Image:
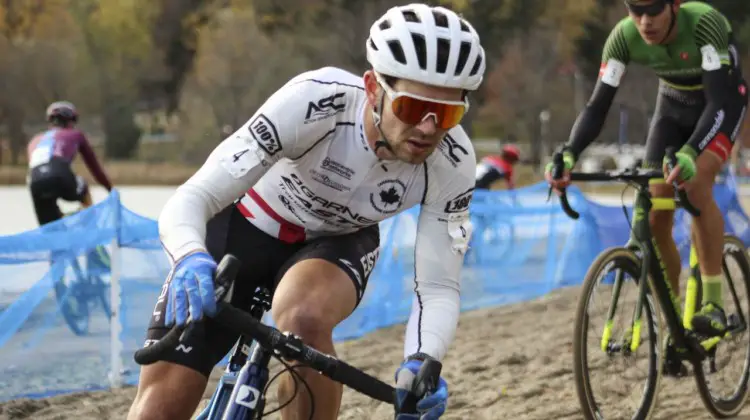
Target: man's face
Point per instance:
(652, 18)
(414, 142)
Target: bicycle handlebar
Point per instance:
(557, 173)
(628, 175)
(287, 346)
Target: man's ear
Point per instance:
(371, 87)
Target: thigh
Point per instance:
(46, 209)
(665, 131)
(329, 274)
(261, 256)
(354, 253)
(44, 194)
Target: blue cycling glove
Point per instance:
(191, 289)
(431, 406)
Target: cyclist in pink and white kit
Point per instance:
(50, 154)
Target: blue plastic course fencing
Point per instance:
(523, 247)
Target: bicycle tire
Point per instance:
(722, 408)
(625, 259)
(76, 317)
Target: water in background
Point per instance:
(523, 247)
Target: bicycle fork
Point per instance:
(634, 341)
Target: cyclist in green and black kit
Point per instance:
(700, 107)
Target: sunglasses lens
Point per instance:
(412, 111)
(653, 9)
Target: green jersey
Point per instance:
(703, 43)
(699, 70)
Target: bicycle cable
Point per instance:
(297, 377)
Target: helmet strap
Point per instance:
(377, 119)
(672, 20)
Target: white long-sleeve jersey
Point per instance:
(301, 168)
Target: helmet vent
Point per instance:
(421, 49)
(397, 51)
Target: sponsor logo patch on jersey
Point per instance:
(710, 58)
(388, 199)
(324, 108)
(452, 151)
(460, 203)
(265, 134)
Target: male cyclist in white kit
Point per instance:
(297, 193)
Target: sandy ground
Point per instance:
(511, 362)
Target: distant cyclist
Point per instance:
(493, 168)
(50, 155)
(700, 107)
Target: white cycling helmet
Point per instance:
(404, 42)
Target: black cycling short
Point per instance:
(52, 181)
(264, 260)
(675, 118)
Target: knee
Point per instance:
(166, 393)
(306, 321)
(700, 191)
(148, 406)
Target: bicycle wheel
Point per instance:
(726, 360)
(73, 305)
(604, 389)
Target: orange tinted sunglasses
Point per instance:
(413, 109)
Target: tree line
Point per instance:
(197, 69)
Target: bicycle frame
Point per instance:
(652, 264)
(233, 402)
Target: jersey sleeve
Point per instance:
(236, 164)
(443, 233)
(89, 158)
(615, 56)
(712, 35)
(589, 124)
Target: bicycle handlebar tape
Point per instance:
(558, 169)
(686, 204)
(241, 322)
(152, 354)
(354, 378)
(226, 273)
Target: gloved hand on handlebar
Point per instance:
(569, 161)
(685, 168)
(431, 406)
(191, 289)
